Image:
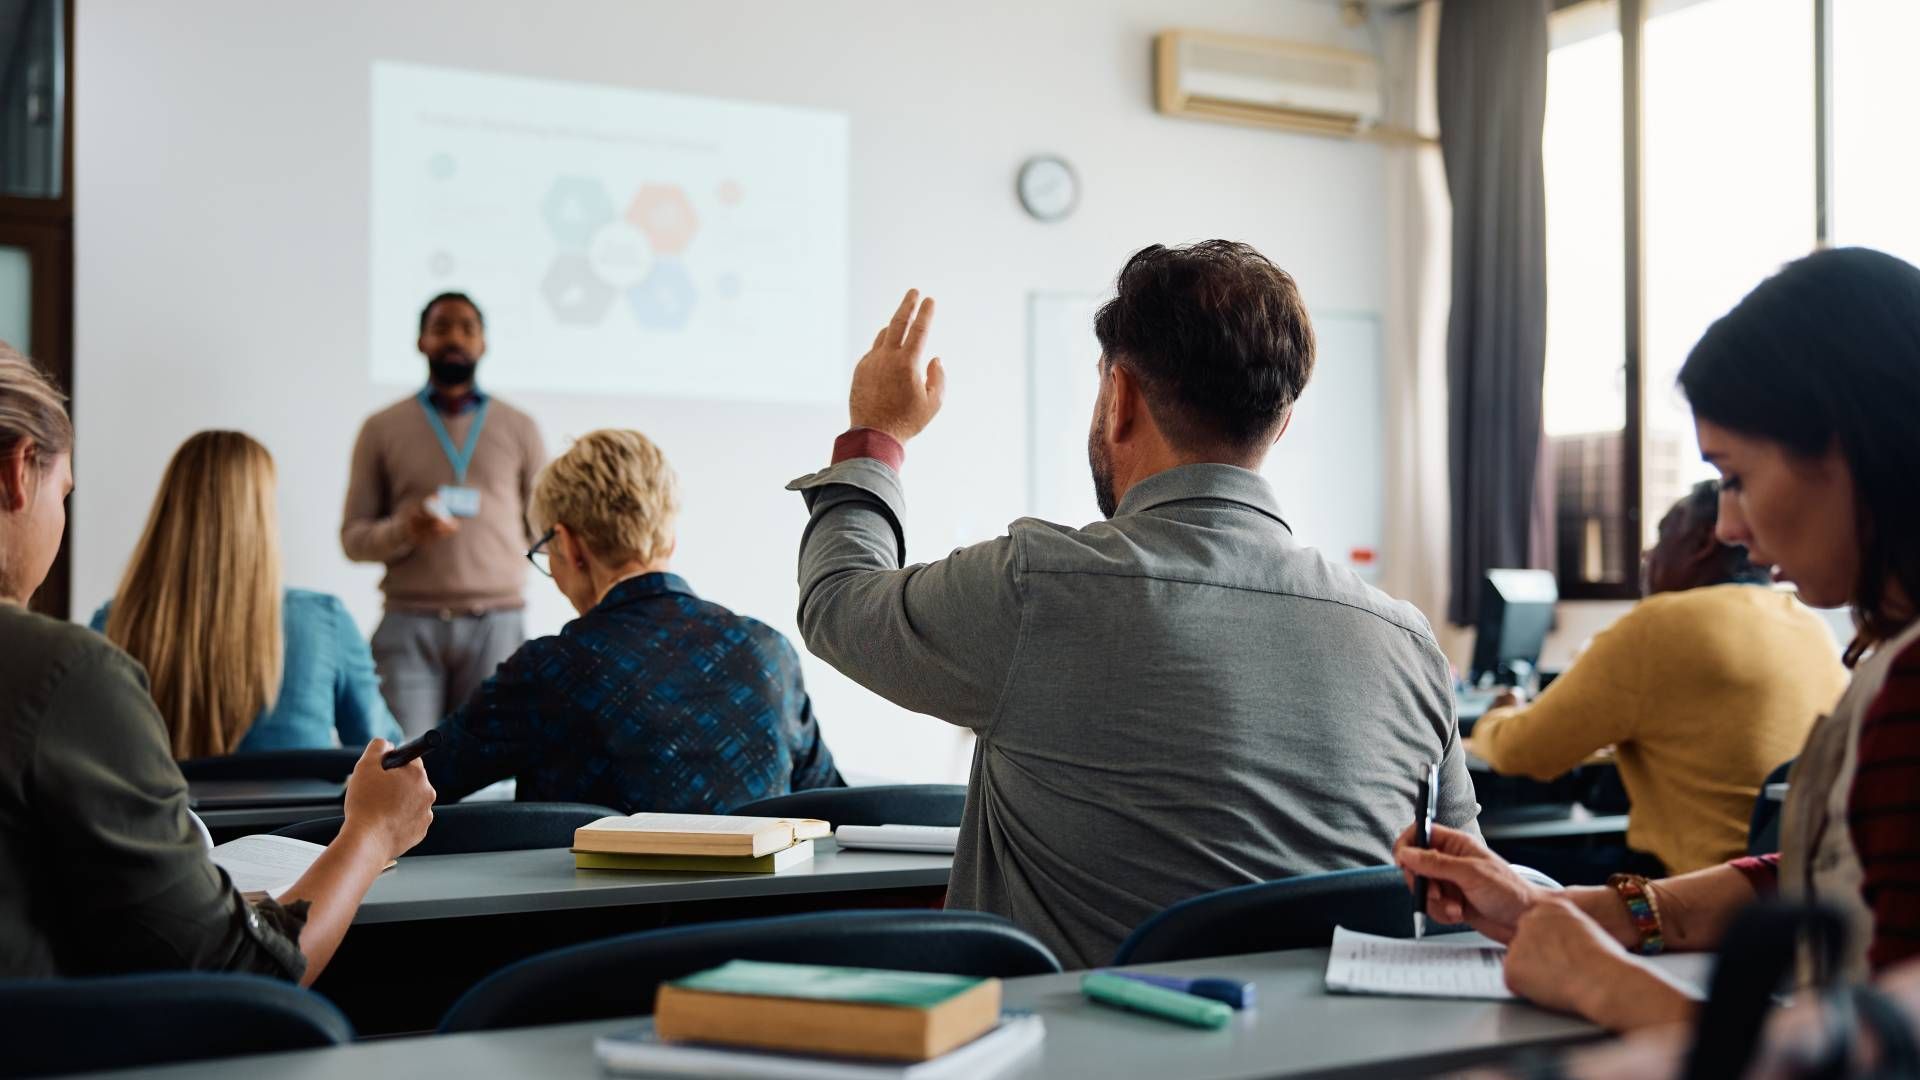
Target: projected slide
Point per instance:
(619, 241)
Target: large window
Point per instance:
(1876, 158)
(1685, 163)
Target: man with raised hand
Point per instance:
(1177, 699)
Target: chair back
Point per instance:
(466, 828)
(1763, 828)
(1292, 913)
(333, 765)
(618, 976)
(876, 804)
(50, 1026)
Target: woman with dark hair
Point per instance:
(1806, 396)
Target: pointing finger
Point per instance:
(917, 333)
(897, 329)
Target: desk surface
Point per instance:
(1299, 1029)
(1583, 823)
(232, 794)
(514, 882)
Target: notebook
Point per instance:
(696, 834)
(787, 859)
(935, 838)
(837, 1011)
(264, 863)
(1400, 967)
(1462, 966)
(641, 1051)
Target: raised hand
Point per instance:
(890, 393)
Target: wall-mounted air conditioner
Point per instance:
(1268, 82)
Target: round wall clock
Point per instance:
(1049, 188)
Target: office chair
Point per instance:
(53, 1026)
(1763, 828)
(878, 804)
(465, 828)
(618, 976)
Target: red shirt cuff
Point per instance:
(1761, 871)
(868, 443)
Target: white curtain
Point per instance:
(1419, 222)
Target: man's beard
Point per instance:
(1101, 464)
(451, 367)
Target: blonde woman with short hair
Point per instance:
(105, 872)
(235, 663)
(653, 699)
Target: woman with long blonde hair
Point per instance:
(236, 663)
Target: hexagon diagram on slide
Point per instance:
(665, 300)
(575, 293)
(664, 213)
(575, 207)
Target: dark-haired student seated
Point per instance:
(1176, 699)
(653, 699)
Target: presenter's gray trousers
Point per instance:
(430, 663)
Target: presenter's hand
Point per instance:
(424, 526)
(890, 393)
(1467, 883)
(389, 808)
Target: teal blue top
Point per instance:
(327, 683)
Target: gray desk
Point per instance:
(1298, 1030)
(519, 882)
(1582, 824)
(206, 795)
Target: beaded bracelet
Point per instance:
(1646, 919)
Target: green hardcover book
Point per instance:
(696, 864)
(837, 1011)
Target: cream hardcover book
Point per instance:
(696, 834)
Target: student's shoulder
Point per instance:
(311, 607)
(44, 652)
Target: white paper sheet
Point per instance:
(1368, 964)
(264, 863)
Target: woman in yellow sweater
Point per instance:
(1702, 689)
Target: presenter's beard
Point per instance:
(448, 372)
(1101, 465)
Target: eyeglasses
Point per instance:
(539, 556)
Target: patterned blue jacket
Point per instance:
(653, 700)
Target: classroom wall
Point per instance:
(221, 183)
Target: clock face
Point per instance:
(1048, 188)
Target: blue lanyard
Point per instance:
(458, 458)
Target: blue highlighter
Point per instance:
(1239, 995)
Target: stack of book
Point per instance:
(696, 843)
(747, 1018)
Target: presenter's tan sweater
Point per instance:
(1700, 693)
(398, 460)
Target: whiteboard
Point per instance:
(1328, 469)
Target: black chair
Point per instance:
(1763, 828)
(50, 1026)
(618, 976)
(1293, 913)
(465, 828)
(876, 804)
(331, 765)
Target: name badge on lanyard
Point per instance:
(457, 499)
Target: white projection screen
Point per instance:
(620, 241)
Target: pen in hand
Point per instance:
(1424, 806)
(413, 748)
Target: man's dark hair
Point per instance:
(1218, 337)
(1700, 512)
(446, 296)
(1826, 354)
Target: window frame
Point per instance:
(1633, 16)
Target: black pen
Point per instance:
(407, 751)
(1426, 804)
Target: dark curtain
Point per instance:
(1492, 92)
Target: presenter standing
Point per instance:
(438, 493)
